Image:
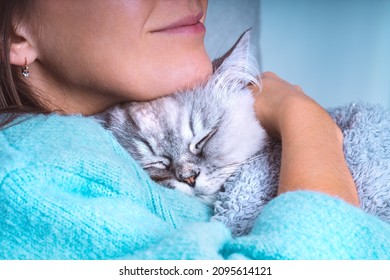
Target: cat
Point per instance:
(207, 143)
(195, 139)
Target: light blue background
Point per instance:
(338, 51)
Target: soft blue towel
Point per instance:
(69, 191)
(366, 130)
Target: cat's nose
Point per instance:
(189, 179)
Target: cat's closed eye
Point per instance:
(199, 141)
(159, 164)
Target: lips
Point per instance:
(187, 24)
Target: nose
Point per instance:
(189, 177)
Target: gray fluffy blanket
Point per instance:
(366, 130)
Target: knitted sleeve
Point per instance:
(299, 225)
(69, 191)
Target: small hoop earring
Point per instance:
(25, 71)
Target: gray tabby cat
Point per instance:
(207, 143)
(194, 140)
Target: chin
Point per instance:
(207, 199)
(195, 76)
(187, 70)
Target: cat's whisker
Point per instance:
(230, 165)
(237, 164)
(229, 168)
(223, 175)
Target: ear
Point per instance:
(22, 47)
(238, 54)
(237, 66)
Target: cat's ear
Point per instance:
(237, 63)
(238, 54)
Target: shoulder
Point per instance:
(71, 158)
(41, 137)
(62, 148)
(54, 131)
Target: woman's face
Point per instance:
(110, 51)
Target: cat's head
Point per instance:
(194, 140)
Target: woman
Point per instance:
(69, 190)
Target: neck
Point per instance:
(68, 99)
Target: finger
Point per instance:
(268, 74)
(298, 88)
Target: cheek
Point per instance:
(144, 70)
(159, 175)
(210, 180)
(184, 188)
(160, 69)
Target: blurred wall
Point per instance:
(338, 51)
(226, 20)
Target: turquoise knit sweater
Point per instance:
(69, 191)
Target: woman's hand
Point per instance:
(312, 144)
(277, 98)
